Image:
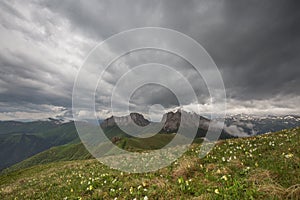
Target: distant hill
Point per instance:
(17, 144)
(8, 127)
(54, 154)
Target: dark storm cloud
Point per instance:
(255, 44)
(25, 81)
(261, 49)
(154, 94)
(250, 41)
(38, 61)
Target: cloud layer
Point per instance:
(255, 44)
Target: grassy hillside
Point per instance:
(60, 153)
(15, 147)
(262, 167)
(77, 151)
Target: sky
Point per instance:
(43, 44)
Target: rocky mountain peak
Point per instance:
(136, 118)
(186, 119)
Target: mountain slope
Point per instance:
(8, 127)
(234, 169)
(55, 154)
(15, 147)
(77, 151)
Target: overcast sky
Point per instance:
(255, 44)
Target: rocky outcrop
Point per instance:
(170, 122)
(133, 118)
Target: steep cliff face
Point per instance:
(133, 118)
(139, 119)
(187, 120)
(171, 121)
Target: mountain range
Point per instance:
(245, 125)
(21, 140)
